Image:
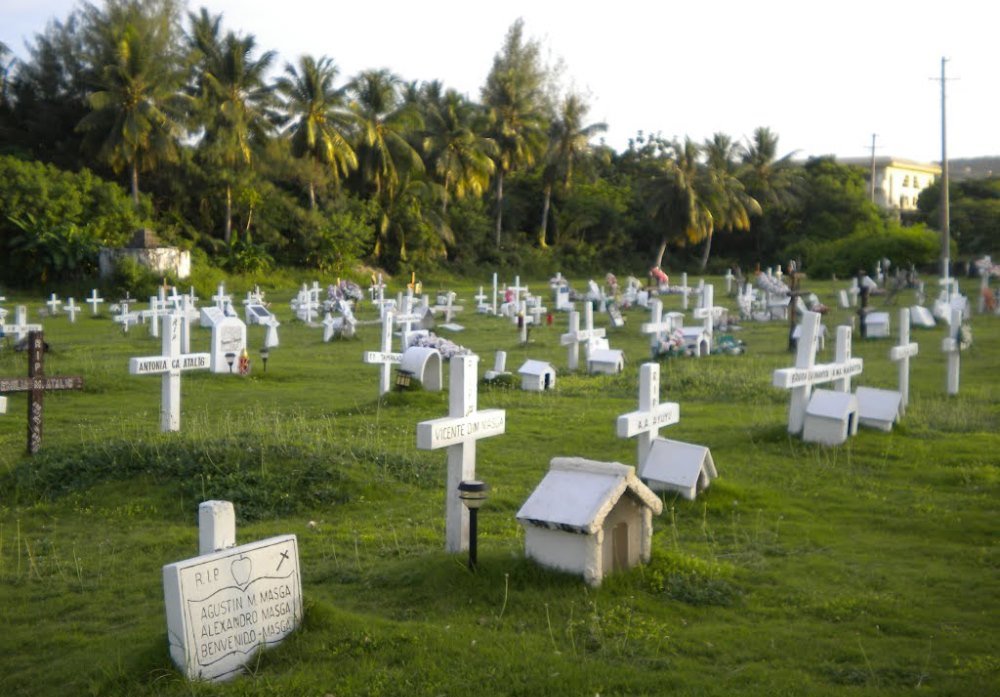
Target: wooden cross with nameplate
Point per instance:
(36, 385)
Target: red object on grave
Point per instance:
(244, 365)
(548, 319)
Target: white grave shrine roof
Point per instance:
(831, 404)
(677, 464)
(577, 494)
(876, 407)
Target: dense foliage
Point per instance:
(261, 164)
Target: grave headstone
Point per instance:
(458, 432)
(36, 385)
(224, 607)
(229, 339)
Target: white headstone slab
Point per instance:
(458, 432)
(216, 526)
(921, 317)
(224, 607)
(3, 405)
(651, 416)
(229, 338)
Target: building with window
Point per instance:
(898, 182)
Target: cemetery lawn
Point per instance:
(866, 569)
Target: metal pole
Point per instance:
(473, 520)
(945, 214)
(872, 188)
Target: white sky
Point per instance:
(824, 76)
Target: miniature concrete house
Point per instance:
(830, 417)
(877, 325)
(671, 465)
(423, 364)
(878, 408)
(589, 518)
(537, 376)
(697, 340)
(606, 361)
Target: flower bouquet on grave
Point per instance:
(445, 347)
(964, 336)
(771, 285)
(728, 344)
(670, 345)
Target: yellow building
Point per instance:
(898, 182)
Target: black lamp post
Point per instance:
(473, 495)
(230, 359)
(264, 354)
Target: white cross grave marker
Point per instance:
(572, 339)
(459, 432)
(685, 291)
(807, 372)
(54, 304)
(220, 298)
(21, 328)
(94, 300)
(706, 312)
(901, 354)
(494, 294)
(950, 345)
(384, 358)
(170, 365)
(652, 414)
(71, 309)
(657, 326)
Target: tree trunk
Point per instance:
(135, 184)
(545, 216)
(499, 205)
(227, 234)
(706, 252)
(312, 195)
(660, 252)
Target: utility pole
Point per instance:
(945, 214)
(872, 188)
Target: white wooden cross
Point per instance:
(126, 318)
(652, 414)
(71, 309)
(384, 358)
(901, 354)
(158, 306)
(21, 328)
(841, 355)
(54, 304)
(458, 432)
(522, 318)
(572, 339)
(94, 300)
(729, 281)
(657, 326)
(170, 365)
(220, 298)
(480, 299)
(685, 291)
(706, 312)
(405, 321)
(807, 372)
(951, 346)
(494, 294)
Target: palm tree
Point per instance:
(132, 121)
(730, 204)
(773, 182)
(514, 96)
(674, 198)
(384, 153)
(456, 151)
(316, 119)
(234, 105)
(569, 140)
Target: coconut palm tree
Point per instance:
(457, 152)
(316, 118)
(134, 108)
(234, 107)
(772, 181)
(730, 204)
(569, 140)
(674, 196)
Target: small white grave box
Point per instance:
(229, 340)
(589, 518)
(537, 376)
(606, 361)
(878, 408)
(830, 418)
(224, 607)
(671, 465)
(920, 316)
(877, 325)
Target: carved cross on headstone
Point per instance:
(458, 432)
(36, 385)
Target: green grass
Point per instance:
(867, 569)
